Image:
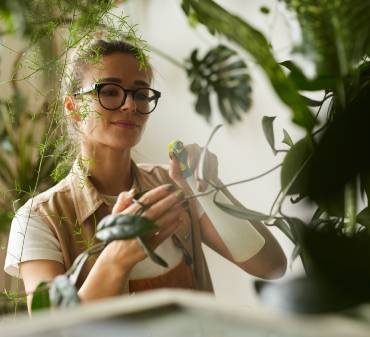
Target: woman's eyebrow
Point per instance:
(140, 82)
(118, 80)
(110, 79)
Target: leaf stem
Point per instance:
(167, 57)
(222, 186)
(350, 208)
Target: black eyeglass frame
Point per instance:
(98, 86)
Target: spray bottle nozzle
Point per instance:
(177, 148)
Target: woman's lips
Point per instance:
(126, 124)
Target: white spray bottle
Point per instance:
(239, 235)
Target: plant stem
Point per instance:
(350, 207)
(167, 57)
(220, 187)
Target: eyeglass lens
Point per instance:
(112, 97)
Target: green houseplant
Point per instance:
(328, 166)
(337, 231)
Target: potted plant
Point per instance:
(329, 166)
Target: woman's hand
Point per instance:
(193, 153)
(166, 206)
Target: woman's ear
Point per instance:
(70, 106)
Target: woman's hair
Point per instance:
(90, 52)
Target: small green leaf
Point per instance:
(287, 140)
(295, 167)
(365, 184)
(268, 130)
(40, 298)
(284, 227)
(264, 10)
(123, 226)
(63, 293)
(363, 218)
(298, 227)
(311, 102)
(152, 254)
(303, 83)
(350, 206)
(295, 253)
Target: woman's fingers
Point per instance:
(168, 223)
(158, 201)
(164, 205)
(123, 201)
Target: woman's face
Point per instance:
(121, 128)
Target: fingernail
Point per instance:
(180, 195)
(170, 187)
(132, 192)
(171, 155)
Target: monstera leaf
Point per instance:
(233, 27)
(222, 73)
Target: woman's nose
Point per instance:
(129, 104)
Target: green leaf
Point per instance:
(303, 83)
(287, 140)
(284, 227)
(295, 167)
(234, 28)
(365, 184)
(152, 254)
(123, 226)
(222, 73)
(40, 298)
(363, 218)
(350, 206)
(311, 102)
(268, 130)
(295, 253)
(264, 10)
(63, 293)
(128, 226)
(335, 34)
(298, 229)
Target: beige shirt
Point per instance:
(73, 207)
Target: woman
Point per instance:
(108, 105)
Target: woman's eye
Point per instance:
(141, 96)
(109, 92)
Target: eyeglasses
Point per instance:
(112, 96)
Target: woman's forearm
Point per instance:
(269, 262)
(104, 280)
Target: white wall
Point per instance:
(242, 149)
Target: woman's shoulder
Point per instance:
(157, 172)
(153, 167)
(48, 195)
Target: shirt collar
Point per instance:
(85, 196)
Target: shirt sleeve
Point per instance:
(30, 239)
